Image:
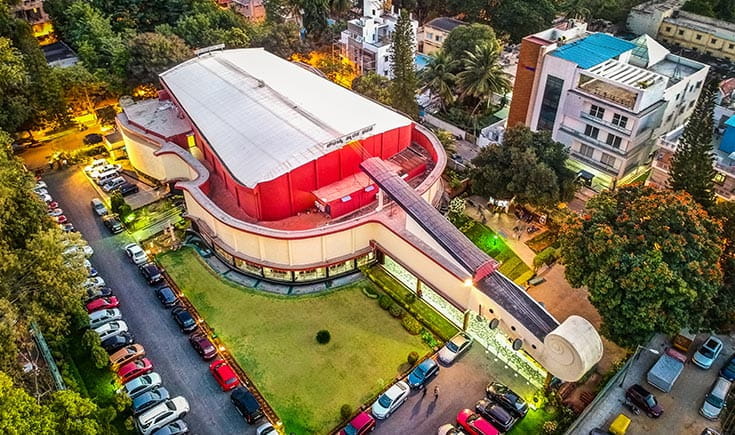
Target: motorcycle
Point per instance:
(633, 408)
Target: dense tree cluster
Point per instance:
(720, 9)
(404, 84)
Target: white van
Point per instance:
(106, 176)
(714, 401)
(99, 207)
(113, 184)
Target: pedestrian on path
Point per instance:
(423, 393)
(436, 392)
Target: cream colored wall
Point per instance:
(141, 155)
(688, 39)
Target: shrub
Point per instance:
(385, 302)
(396, 311)
(323, 336)
(411, 325)
(412, 358)
(410, 298)
(546, 257)
(550, 427)
(345, 411)
(100, 358)
(428, 338)
(90, 339)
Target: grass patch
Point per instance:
(541, 241)
(273, 339)
(493, 245)
(533, 421)
(433, 320)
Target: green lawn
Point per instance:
(533, 422)
(273, 339)
(492, 244)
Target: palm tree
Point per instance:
(579, 9)
(482, 76)
(438, 77)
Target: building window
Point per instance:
(246, 266)
(719, 178)
(586, 150)
(668, 28)
(224, 255)
(731, 46)
(597, 111)
(429, 35)
(550, 103)
(310, 275)
(681, 32)
(698, 37)
(699, 84)
(691, 104)
(714, 40)
(277, 274)
(591, 131)
(668, 118)
(613, 141)
(339, 268)
(620, 120)
(608, 160)
(366, 259)
(438, 38)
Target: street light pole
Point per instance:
(634, 358)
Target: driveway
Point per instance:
(183, 371)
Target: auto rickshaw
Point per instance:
(620, 425)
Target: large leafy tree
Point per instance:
(281, 39)
(404, 84)
(439, 78)
(373, 85)
(723, 313)
(20, 413)
(467, 38)
(650, 259)
(82, 90)
(153, 53)
(528, 166)
(692, 163)
(14, 80)
(518, 18)
(314, 16)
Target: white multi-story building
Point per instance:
(607, 99)
(367, 40)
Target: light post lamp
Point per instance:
(635, 357)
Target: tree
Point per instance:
(404, 84)
(528, 166)
(482, 76)
(314, 14)
(699, 7)
(467, 38)
(14, 80)
(518, 18)
(723, 313)
(153, 53)
(439, 78)
(340, 7)
(82, 90)
(74, 414)
(373, 85)
(692, 167)
(20, 413)
(650, 259)
(281, 39)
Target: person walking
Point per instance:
(436, 392)
(423, 393)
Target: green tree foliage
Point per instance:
(153, 53)
(723, 313)
(518, 18)
(314, 14)
(207, 24)
(373, 85)
(528, 166)
(650, 259)
(14, 79)
(281, 39)
(74, 414)
(701, 7)
(467, 38)
(20, 413)
(482, 76)
(692, 167)
(82, 90)
(404, 84)
(440, 78)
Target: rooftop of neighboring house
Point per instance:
(658, 5)
(447, 24)
(719, 28)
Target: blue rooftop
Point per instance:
(730, 121)
(593, 50)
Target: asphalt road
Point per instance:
(182, 370)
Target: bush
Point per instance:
(90, 340)
(546, 257)
(410, 298)
(99, 357)
(345, 411)
(428, 338)
(411, 325)
(550, 427)
(385, 302)
(396, 311)
(412, 358)
(323, 336)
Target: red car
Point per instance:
(474, 424)
(103, 304)
(360, 425)
(52, 205)
(60, 219)
(132, 370)
(224, 375)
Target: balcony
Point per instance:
(592, 141)
(575, 155)
(610, 93)
(607, 124)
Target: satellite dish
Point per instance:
(517, 344)
(494, 324)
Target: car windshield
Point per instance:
(350, 429)
(452, 346)
(385, 401)
(714, 401)
(231, 381)
(706, 352)
(650, 401)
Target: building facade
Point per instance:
(607, 99)
(367, 40)
(431, 36)
(287, 189)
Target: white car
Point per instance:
(162, 414)
(265, 429)
(94, 173)
(80, 249)
(113, 184)
(390, 400)
(40, 184)
(111, 329)
(96, 164)
(136, 254)
(55, 212)
(99, 318)
(141, 384)
(455, 347)
(92, 283)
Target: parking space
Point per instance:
(145, 195)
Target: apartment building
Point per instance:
(606, 98)
(433, 34)
(367, 40)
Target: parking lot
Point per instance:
(681, 405)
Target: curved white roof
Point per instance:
(265, 116)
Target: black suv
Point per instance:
(117, 342)
(644, 400)
(112, 222)
(166, 296)
(128, 189)
(246, 404)
(151, 273)
(509, 400)
(184, 319)
(495, 414)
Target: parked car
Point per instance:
(40, 184)
(95, 165)
(95, 282)
(728, 370)
(151, 273)
(715, 400)
(126, 355)
(113, 224)
(176, 427)
(390, 400)
(96, 293)
(184, 319)
(422, 374)
(92, 138)
(141, 384)
(133, 369)
(91, 271)
(117, 342)
(162, 414)
(360, 425)
(113, 184)
(708, 352)
(265, 429)
(455, 347)
(67, 228)
(112, 328)
(495, 414)
(507, 398)
(224, 375)
(645, 400)
(60, 219)
(449, 429)
(149, 399)
(53, 212)
(246, 404)
(128, 189)
(166, 296)
(474, 424)
(85, 250)
(203, 345)
(99, 207)
(99, 318)
(135, 253)
(102, 304)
